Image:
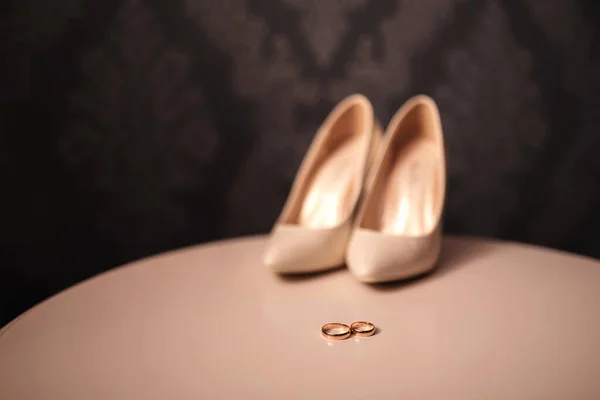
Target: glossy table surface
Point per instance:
(496, 320)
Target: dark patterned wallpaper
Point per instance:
(129, 127)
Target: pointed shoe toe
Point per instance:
(295, 250)
(375, 257)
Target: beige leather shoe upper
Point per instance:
(398, 228)
(314, 227)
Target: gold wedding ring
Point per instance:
(362, 328)
(336, 331)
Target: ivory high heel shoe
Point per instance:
(398, 230)
(314, 227)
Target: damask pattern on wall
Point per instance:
(129, 127)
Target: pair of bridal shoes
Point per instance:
(369, 199)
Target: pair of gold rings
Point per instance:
(337, 331)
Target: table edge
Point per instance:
(261, 237)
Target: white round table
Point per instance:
(497, 320)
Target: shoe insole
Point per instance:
(331, 194)
(410, 197)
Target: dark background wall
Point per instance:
(132, 127)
